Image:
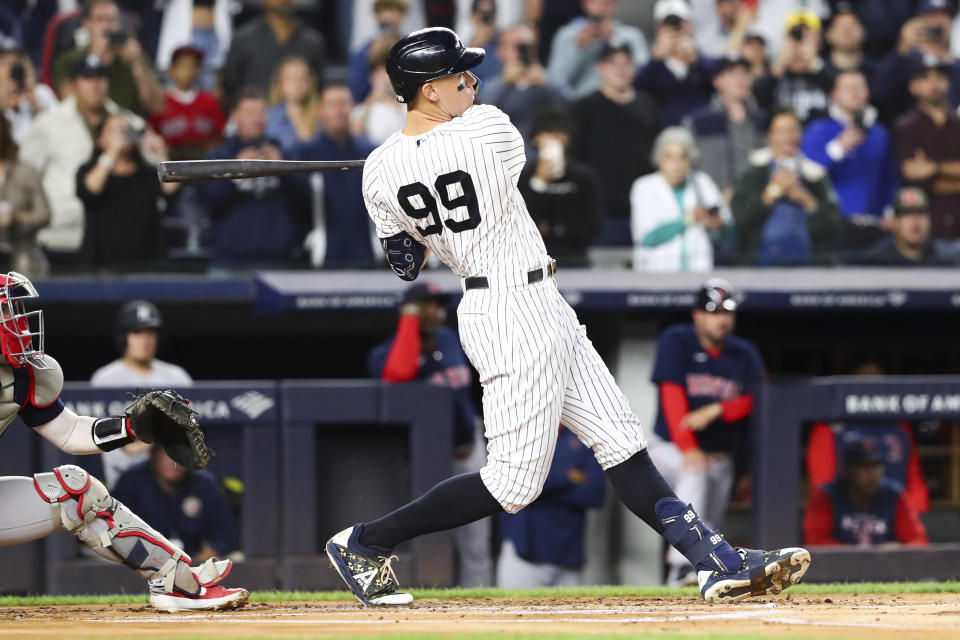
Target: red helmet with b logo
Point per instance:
(21, 331)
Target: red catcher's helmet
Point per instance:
(21, 332)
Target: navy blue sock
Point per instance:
(706, 549)
(452, 503)
(644, 491)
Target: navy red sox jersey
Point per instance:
(894, 443)
(445, 365)
(706, 378)
(832, 517)
(454, 189)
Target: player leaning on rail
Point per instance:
(447, 183)
(70, 498)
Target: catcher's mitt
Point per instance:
(166, 418)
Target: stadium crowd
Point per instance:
(664, 135)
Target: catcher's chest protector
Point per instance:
(39, 387)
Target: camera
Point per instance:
(18, 75)
(525, 52)
(132, 134)
(856, 118)
(934, 33)
(117, 38)
(796, 32)
(674, 22)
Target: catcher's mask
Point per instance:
(21, 331)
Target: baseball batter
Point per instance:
(447, 183)
(68, 497)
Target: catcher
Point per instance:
(68, 497)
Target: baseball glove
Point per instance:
(166, 418)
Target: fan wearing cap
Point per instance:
(191, 121)
(730, 127)
(924, 37)
(677, 76)
(862, 507)
(909, 243)
(720, 26)
(798, 78)
(577, 45)
(58, 143)
(706, 378)
(425, 349)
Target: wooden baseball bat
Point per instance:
(194, 170)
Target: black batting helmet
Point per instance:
(716, 294)
(426, 55)
(136, 315)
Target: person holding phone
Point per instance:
(926, 36)
(522, 88)
(22, 98)
(389, 15)
(483, 20)
(133, 84)
(577, 45)
(676, 212)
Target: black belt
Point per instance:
(536, 275)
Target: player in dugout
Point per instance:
(862, 507)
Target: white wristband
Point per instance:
(105, 161)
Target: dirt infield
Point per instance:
(903, 617)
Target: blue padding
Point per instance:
(34, 417)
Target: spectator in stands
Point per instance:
(676, 212)
(909, 243)
(133, 84)
(389, 14)
(522, 89)
(259, 46)
(483, 19)
(425, 349)
(191, 122)
(894, 442)
(292, 117)
(380, 115)
(928, 146)
(206, 25)
(578, 46)
(57, 144)
(882, 21)
(137, 328)
(677, 76)
(798, 80)
(258, 220)
(845, 37)
(122, 197)
(773, 14)
(754, 51)
(185, 506)
(23, 209)
(862, 507)
(562, 195)
(857, 152)
(616, 127)
(22, 98)
(549, 18)
(730, 127)
(725, 26)
(542, 545)
(925, 37)
(784, 208)
(341, 235)
(707, 378)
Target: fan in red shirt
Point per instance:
(191, 122)
(862, 507)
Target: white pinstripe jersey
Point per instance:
(454, 189)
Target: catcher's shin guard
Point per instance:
(82, 505)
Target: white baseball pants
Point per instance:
(539, 370)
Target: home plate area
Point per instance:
(845, 616)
